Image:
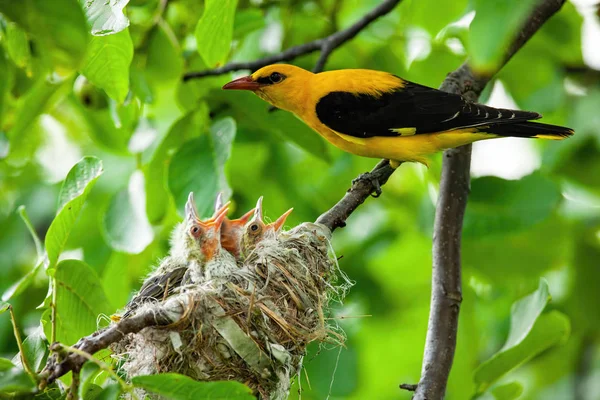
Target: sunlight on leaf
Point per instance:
(74, 191)
(105, 16)
(126, 224)
(13, 379)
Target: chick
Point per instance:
(256, 230)
(231, 230)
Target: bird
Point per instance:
(231, 230)
(377, 114)
(256, 230)
(194, 243)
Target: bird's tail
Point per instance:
(531, 130)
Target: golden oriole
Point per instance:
(377, 114)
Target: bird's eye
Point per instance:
(276, 77)
(195, 230)
(254, 227)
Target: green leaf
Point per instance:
(17, 45)
(165, 61)
(187, 127)
(524, 313)
(25, 281)
(508, 391)
(125, 222)
(531, 332)
(59, 27)
(105, 17)
(246, 21)
(86, 378)
(42, 96)
(180, 387)
(110, 392)
(495, 25)
(215, 31)
(35, 349)
(4, 306)
(80, 299)
(498, 206)
(198, 167)
(75, 189)
(107, 63)
(13, 379)
(431, 15)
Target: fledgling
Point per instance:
(377, 114)
(231, 230)
(256, 230)
(193, 244)
(216, 262)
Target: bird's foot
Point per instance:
(370, 178)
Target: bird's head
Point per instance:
(195, 239)
(282, 85)
(232, 229)
(256, 229)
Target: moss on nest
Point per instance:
(252, 327)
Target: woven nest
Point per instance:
(252, 327)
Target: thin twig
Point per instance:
(17, 334)
(326, 45)
(446, 293)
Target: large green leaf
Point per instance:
(198, 167)
(180, 387)
(498, 206)
(13, 379)
(431, 15)
(125, 222)
(59, 27)
(35, 349)
(215, 31)
(531, 332)
(495, 25)
(80, 299)
(75, 189)
(105, 17)
(165, 60)
(107, 62)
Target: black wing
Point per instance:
(425, 109)
(157, 288)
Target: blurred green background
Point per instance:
(534, 209)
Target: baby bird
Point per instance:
(193, 244)
(231, 230)
(256, 230)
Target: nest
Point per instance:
(252, 327)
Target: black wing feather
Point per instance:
(412, 106)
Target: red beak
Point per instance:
(245, 83)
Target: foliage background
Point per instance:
(159, 138)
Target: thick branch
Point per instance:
(326, 45)
(56, 366)
(446, 293)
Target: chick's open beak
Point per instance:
(278, 224)
(245, 83)
(258, 211)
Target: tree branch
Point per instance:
(326, 45)
(446, 292)
(60, 363)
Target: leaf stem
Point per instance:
(24, 361)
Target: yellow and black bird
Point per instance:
(377, 114)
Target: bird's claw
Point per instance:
(373, 179)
